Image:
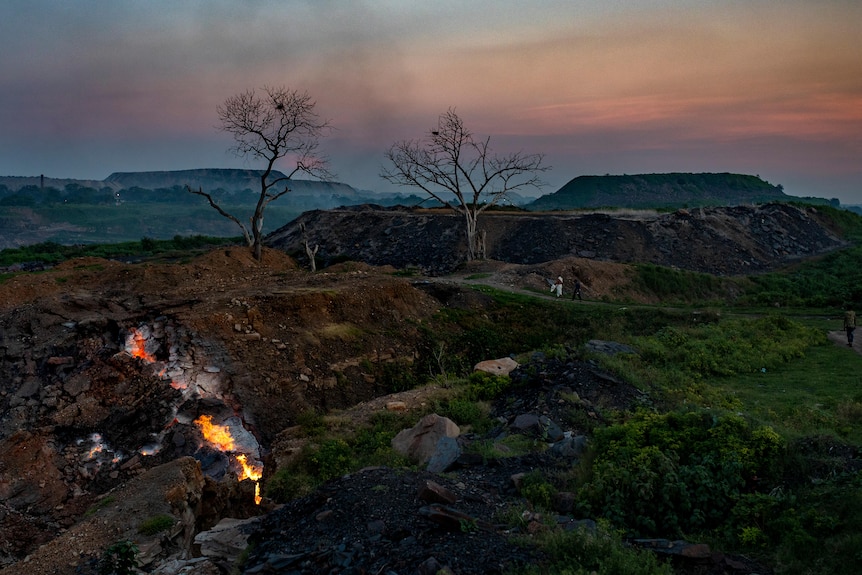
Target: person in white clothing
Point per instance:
(558, 286)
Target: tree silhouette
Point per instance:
(461, 172)
(278, 123)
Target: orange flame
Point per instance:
(136, 346)
(218, 435)
(250, 472)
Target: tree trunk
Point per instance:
(311, 253)
(257, 232)
(475, 238)
(472, 218)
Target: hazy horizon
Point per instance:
(762, 87)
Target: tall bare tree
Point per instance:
(461, 172)
(277, 123)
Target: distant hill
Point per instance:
(131, 205)
(228, 180)
(674, 190)
(210, 179)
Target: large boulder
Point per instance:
(419, 443)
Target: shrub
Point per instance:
(156, 524)
(121, 558)
(289, 483)
(332, 458)
(583, 552)
(678, 472)
(536, 489)
(485, 386)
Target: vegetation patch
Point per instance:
(157, 524)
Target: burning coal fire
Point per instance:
(222, 438)
(230, 438)
(136, 346)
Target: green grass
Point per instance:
(818, 393)
(53, 253)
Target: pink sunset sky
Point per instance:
(765, 87)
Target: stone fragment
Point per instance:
(570, 447)
(445, 455)
(227, 540)
(433, 492)
(432, 566)
(540, 426)
(502, 366)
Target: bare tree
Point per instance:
(278, 123)
(461, 172)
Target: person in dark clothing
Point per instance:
(576, 292)
(849, 325)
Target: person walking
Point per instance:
(576, 293)
(849, 325)
(558, 286)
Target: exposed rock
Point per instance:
(446, 453)
(419, 443)
(433, 492)
(227, 540)
(502, 366)
(539, 426)
(608, 347)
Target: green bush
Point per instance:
(660, 475)
(289, 483)
(536, 489)
(332, 458)
(121, 558)
(156, 524)
(462, 411)
(485, 386)
(582, 552)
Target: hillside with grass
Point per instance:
(673, 190)
(716, 416)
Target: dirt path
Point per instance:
(839, 337)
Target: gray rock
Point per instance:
(420, 442)
(227, 540)
(447, 453)
(609, 347)
(570, 447)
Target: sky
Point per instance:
(764, 87)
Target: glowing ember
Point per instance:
(151, 449)
(136, 346)
(97, 448)
(218, 435)
(250, 472)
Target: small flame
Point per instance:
(218, 435)
(151, 449)
(250, 472)
(95, 450)
(136, 346)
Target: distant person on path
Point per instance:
(577, 291)
(557, 287)
(849, 325)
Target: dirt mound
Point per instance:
(721, 241)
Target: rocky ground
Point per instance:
(721, 240)
(107, 369)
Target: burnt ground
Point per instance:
(720, 241)
(253, 345)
